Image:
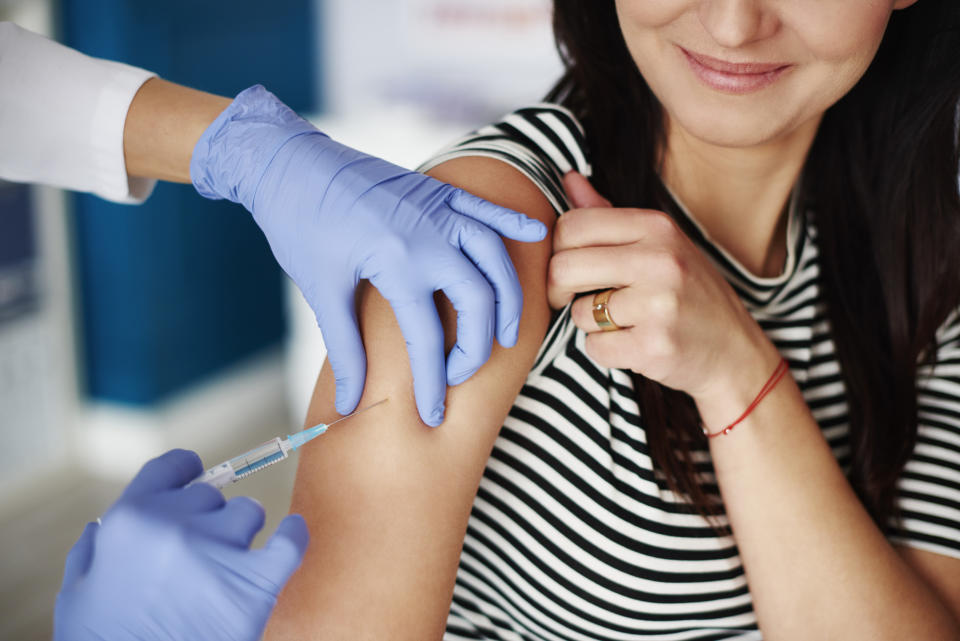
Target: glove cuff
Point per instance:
(231, 156)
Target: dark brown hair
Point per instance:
(881, 181)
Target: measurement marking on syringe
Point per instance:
(256, 465)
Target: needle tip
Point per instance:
(307, 435)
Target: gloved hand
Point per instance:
(333, 216)
(173, 564)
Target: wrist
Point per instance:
(738, 387)
(233, 153)
(162, 126)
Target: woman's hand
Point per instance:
(680, 323)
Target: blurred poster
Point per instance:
(459, 60)
(485, 31)
(18, 253)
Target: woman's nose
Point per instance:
(735, 23)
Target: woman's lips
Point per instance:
(734, 77)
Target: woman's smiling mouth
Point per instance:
(734, 77)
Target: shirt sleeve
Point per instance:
(928, 493)
(543, 142)
(62, 115)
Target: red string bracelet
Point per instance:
(770, 384)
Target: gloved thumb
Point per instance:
(338, 324)
(282, 554)
(80, 556)
(581, 192)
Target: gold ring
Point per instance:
(601, 313)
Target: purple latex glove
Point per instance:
(334, 215)
(171, 563)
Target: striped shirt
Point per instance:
(572, 535)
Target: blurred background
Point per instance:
(125, 331)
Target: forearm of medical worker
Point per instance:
(163, 124)
(816, 564)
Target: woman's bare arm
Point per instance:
(386, 497)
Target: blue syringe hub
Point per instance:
(307, 435)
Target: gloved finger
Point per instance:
(173, 469)
(505, 222)
(80, 555)
(338, 324)
(475, 302)
(236, 523)
(274, 564)
(196, 499)
(423, 334)
(487, 252)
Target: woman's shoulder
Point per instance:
(543, 141)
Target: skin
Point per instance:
(387, 532)
(163, 125)
(734, 158)
(387, 498)
(806, 542)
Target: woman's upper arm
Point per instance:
(387, 498)
(941, 572)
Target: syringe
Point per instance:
(265, 455)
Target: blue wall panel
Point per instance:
(178, 288)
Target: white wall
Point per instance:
(38, 388)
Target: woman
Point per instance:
(813, 145)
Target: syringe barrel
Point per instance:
(259, 457)
(218, 476)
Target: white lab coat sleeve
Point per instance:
(62, 115)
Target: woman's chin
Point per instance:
(733, 129)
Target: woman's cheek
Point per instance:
(650, 13)
(844, 33)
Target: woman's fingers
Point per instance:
(634, 306)
(646, 283)
(634, 348)
(581, 192)
(586, 269)
(605, 226)
(645, 267)
(616, 311)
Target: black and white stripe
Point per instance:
(573, 536)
